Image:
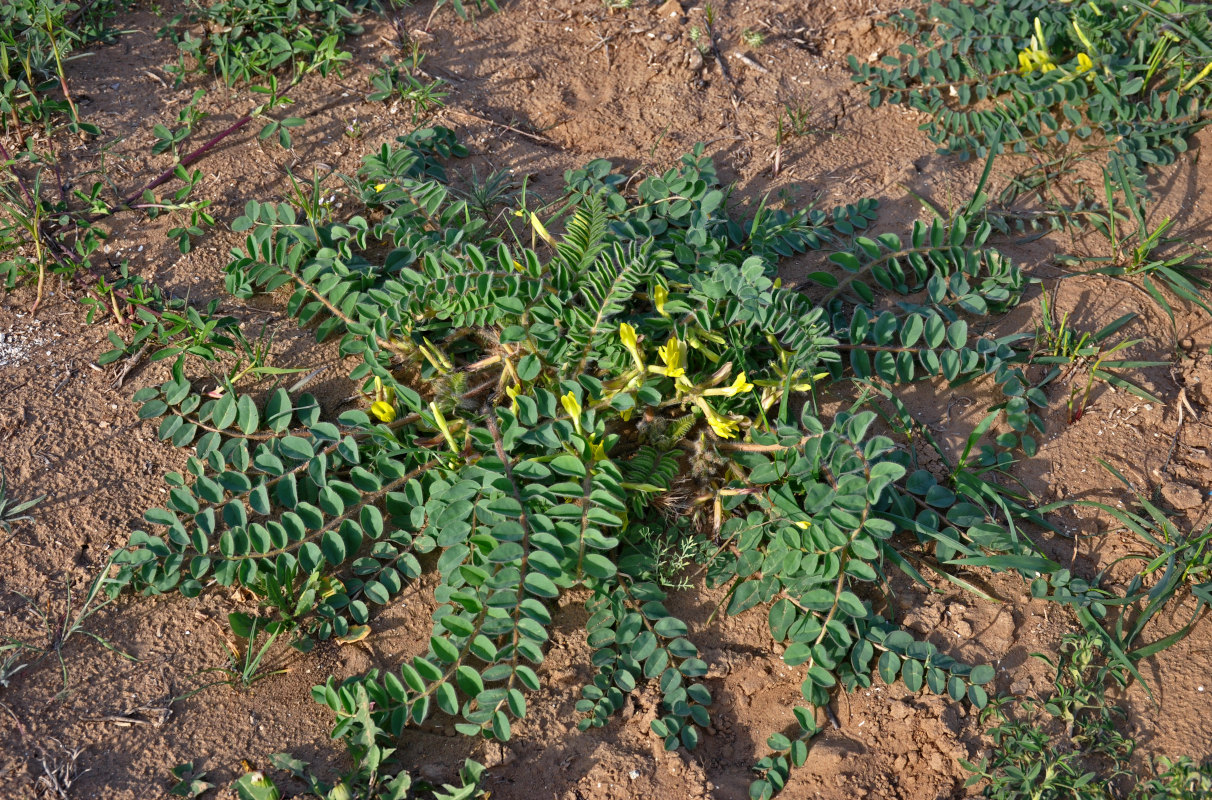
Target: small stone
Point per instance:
(671, 8)
(1181, 496)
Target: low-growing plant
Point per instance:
(27, 240)
(1058, 346)
(10, 512)
(488, 196)
(1070, 742)
(1177, 569)
(515, 395)
(188, 118)
(461, 8)
(798, 123)
(243, 668)
(59, 628)
(36, 38)
(753, 38)
(1181, 778)
(1128, 80)
(399, 82)
(191, 782)
(247, 40)
(375, 776)
(1046, 746)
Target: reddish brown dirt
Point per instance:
(585, 83)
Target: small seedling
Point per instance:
(243, 668)
(400, 82)
(695, 34)
(10, 512)
(753, 38)
(59, 629)
(496, 190)
(188, 119)
(1057, 344)
(191, 783)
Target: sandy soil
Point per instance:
(572, 81)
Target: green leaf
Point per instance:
(333, 547)
(981, 674)
(568, 465)
(889, 666)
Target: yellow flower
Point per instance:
(380, 187)
(1036, 56)
(540, 230)
(739, 386)
(1084, 64)
(513, 391)
(659, 295)
(631, 342)
(597, 451)
(384, 405)
(384, 411)
(673, 354)
(386, 394)
(573, 407)
(724, 427)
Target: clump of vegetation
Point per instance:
(514, 396)
(602, 408)
(1071, 742)
(404, 82)
(11, 513)
(243, 42)
(753, 38)
(1125, 79)
(1066, 351)
(36, 38)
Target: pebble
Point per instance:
(1182, 496)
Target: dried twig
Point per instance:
(1181, 403)
(59, 771)
(128, 365)
(536, 137)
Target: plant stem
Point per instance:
(189, 159)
